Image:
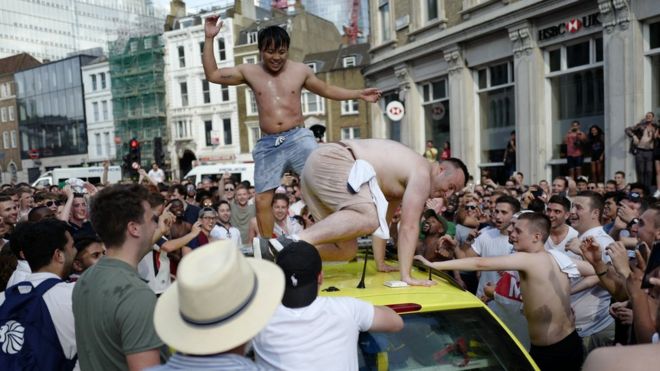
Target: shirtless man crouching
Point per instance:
(277, 84)
(404, 177)
(544, 287)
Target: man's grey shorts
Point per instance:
(276, 153)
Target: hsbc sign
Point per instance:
(572, 25)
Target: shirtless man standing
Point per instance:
(277, 84)
(404, 177)
(544, 287)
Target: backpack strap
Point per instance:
(40, 290)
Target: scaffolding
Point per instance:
(138, 93)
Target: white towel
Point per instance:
(362, 172)
(565, 263)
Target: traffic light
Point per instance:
(134, 151)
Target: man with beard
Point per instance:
(89, 250)
(223, 229)
(242, 212)
(558, 211)
(431, 246)
(48, 248)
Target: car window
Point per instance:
(464, 339)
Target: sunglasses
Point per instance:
(470, 207)
(229, 189)
(52, 203)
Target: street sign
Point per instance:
(394, 110)
(33, 154)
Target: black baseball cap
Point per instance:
(301, 264)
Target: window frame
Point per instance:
(181, 52)
(251, 108)
(305, 102)
(227, 137)
(348, 133)
(251, 37)
(350, 107)
(350, 58)
(222, 49)
(183, 85)
(206, 92)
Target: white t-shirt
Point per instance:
(21, 273)
(157, 176)
(222, 233)
(321, 336)
(292, 227)
(561, 246)
(490, 243)
(296, 207)
(60, 306)
(157, 281)
(591, 306)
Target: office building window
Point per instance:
(224, 90)
(182, 129)
(436, 111)
(93, 82)
(312, 103)
(14, 140)
(653, 55)
(431, 10)
(350, 133)
(384, 17)
(3, 114)
(222, 49)
(5, 139)
(95, 109)
(250, 103)
(208, 131)
(349, 61)
(226, 131)
(496, 111)
(184, 94)
(206, 93)
(182, 57)
(104, 106)
(252, 37)
(99, 146)
(10, 113)
(102, 80)
(575, 72)
(349, 107)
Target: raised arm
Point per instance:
(515, 262)
(225, 76)
(319, 87)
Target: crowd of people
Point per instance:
(114, 276)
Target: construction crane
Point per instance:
(352, 31)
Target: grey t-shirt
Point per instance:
(113, 310)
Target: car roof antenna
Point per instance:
(364, 269)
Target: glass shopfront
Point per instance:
(436, 112)
(50, 109)
(654, 55)
(575, 73)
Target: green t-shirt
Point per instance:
(113, 310)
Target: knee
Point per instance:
(369, 217)
(263, 201)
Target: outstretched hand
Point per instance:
(370, 95)
(212, 26)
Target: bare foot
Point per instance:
(383, 267)
(414, 282)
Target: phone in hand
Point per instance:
(652, 264)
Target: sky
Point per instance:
(190, 3)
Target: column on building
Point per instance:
(461, 106)
(624, 85)
(532, 141)
(412, 130)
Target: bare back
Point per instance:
(277, 95)
(546, 297)
(397, 166)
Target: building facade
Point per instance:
(339, 13)
(98, 111)
(10, 156)
(50, 30)
(473, 71)
(202, 116)
(138, 95)
(340, 119)
(51, 115)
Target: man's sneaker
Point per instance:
(261, 249)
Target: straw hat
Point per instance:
(220, 300)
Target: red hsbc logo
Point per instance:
(396, 111)
(573, 25)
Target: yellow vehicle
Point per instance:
(446, 327)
